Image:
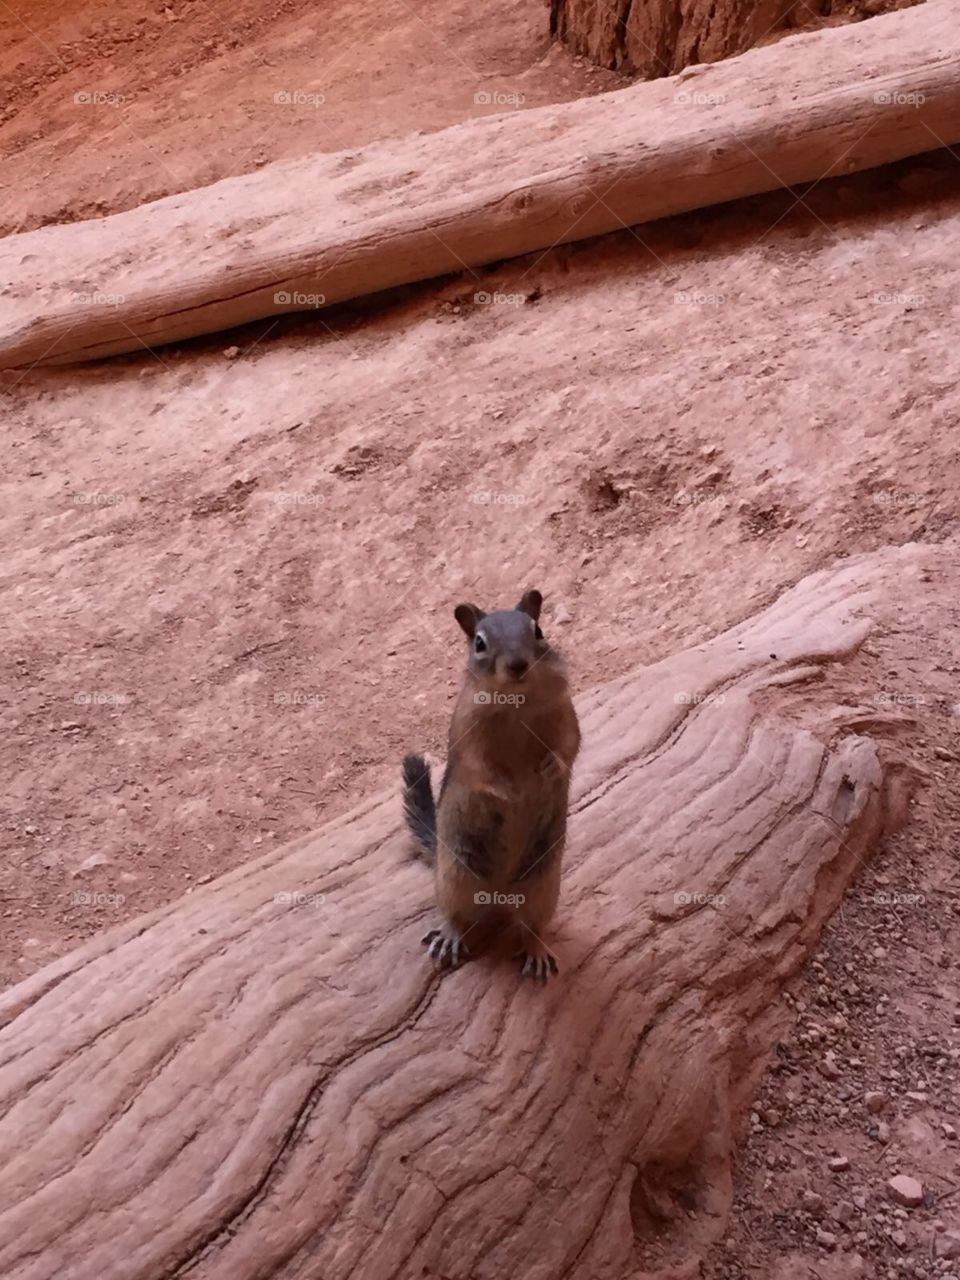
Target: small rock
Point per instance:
(88, 864)
(905, 1190)
(826, 1239)
(843, 1212)
(948, 1245)
(949, 1132)
(829, 1069)
(812, 1202)
(875, 1101)
(770, 1118)
(839, 1164)
(562, 614)
(232, 352)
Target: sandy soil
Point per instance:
(228, 582)
(150, 98)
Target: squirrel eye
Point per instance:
(479, 644)
(537, 632)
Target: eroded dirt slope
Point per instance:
(107, 104)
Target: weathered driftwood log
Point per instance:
(660, 37)
(332, 227)
(266, 1079)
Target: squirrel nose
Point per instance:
(518, 667)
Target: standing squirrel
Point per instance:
(495, 837)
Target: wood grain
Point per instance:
(267, 1079)
(661, 37)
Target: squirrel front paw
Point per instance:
(445, 947)
(539, 962)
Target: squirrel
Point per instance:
(496, 834)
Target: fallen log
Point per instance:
(316, 231)
(267, 1079)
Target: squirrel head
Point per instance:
(507, 648)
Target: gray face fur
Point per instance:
(506, 645)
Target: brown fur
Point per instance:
(501, 816)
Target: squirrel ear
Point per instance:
(531, 604)
(468, 615)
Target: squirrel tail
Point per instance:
(418, 806)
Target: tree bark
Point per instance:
(312, 232)
(267, 1079)
(653, 38)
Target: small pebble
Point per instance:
(905, 1190)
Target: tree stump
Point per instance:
(653, 38)
(267, 1079)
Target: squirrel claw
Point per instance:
(539, 967)
(444, 947)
